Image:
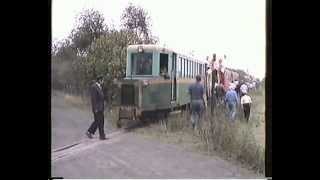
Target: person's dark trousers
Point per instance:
(97, 123)
(246, 110)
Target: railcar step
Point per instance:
(175, 112)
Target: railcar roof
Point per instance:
(148, 47)
(161, 48)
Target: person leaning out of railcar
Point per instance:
(164, 73)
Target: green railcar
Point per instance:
(157, 79)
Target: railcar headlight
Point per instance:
(145, 83)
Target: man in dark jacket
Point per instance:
(238, 88)
(97, 102)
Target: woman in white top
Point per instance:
(246, 104)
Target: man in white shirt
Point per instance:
(246, 104)
(243, 89)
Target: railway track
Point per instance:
(84, 144)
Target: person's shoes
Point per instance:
(103, 138)
(89, 135)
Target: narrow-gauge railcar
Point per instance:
(157, 80)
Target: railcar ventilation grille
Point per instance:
(127, 94)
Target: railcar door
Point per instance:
(174, 77)
(206, 79)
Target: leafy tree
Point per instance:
(90, 26)
(137, 20)
(64, 50)
(92, 49)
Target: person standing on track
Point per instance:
(97, 102)
(198, 102)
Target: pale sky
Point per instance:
(232, 27)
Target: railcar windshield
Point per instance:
(141, 63)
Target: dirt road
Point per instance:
(125, 155)
(69, 123)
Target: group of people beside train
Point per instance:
(237, 96)
(233, 95)
(235, 99)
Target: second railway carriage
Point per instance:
(229, 77)
(157, 80)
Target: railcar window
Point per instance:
(197, 68)
(164, 64)
(181, 68)
(141, 63)
(190, 75)
(187, 70)
(174, 65)
(203, 68)
(178, 67)
(184, 68)
(191, 69)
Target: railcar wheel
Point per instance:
(143, 118)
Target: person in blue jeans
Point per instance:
(232, 101)
(198, 103)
